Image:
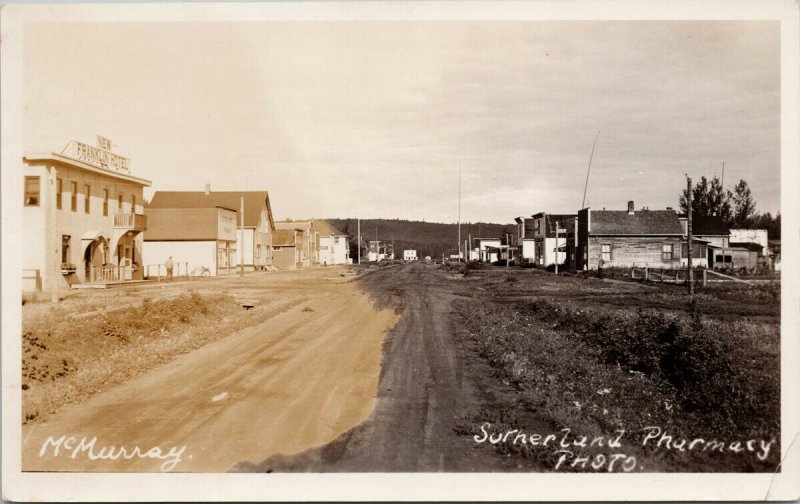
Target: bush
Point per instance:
(710, 374)
(596, 372)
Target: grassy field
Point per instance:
(603, 356)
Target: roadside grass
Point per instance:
(728, 302)
(595, 369)
(66, 359)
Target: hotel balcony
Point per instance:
(130, 221)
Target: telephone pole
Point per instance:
(55, 271)
(241, 234)
(359, 240)
(508, 249)
(557, 232)
(689, 235)
(459, 214)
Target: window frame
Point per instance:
(603, 252)
(105, 202)
(31, 200)
(73, 202)
(87, 198)
(66, 246)
(59, 193)
(664, 252)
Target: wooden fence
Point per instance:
(181, 270)
(660, 275)
(678, 276)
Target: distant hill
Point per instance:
(427, 238)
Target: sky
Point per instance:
(377, 119)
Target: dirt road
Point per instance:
(427, 383)
(300, 379)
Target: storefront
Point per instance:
(200, 241)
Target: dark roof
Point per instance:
(709, 225)
(283, 237)
(755, 247)
(304, 225)
(565, 221)
(324, 228)
(175, 224)
(254, 202)
(641, 222)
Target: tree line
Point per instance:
(737, 208)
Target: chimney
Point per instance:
(208, 188)
(630, 208)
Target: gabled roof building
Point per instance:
(307, 247)
(643, 238)
(333, 244)
(172, 213)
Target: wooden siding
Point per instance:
(634, 251)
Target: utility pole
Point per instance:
(459, 214)
(557, 231)
(575, 245)
(722, 187)
(689, 235)
(469, 248)
(589, 169)
(359, 240)
(241, 234)
(508, 249)
(55, 273)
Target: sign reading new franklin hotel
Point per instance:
(85, 211)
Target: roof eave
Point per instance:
(53, 156)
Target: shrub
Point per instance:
(695, 356)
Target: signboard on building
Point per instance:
(104, 143)
(100, 156)
(226, 229)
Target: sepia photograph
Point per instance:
(448, 242)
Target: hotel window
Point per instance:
(87, 198)
(73, 201)
(32, 190)
(65, 241)
(59, 191)
(133, 203)
(605, 252)
(119, 203)
(105, 202)
(666, 252)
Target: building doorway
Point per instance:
(95, 256)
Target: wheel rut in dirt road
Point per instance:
(425, 387)
(299, 379)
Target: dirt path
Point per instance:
(427, 383)
(297, 380)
